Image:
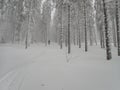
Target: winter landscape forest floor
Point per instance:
(49, 68)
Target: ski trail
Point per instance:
(14, 78)
(28, 62)
(6, 76)
(5, 82)
(18, 80)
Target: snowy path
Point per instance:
(46, 68)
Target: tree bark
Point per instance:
(61, 31)
(117, 27)
(69, 46)
(85, 26)
(108, 49)
(79, 36)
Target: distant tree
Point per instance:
(30, 9)
(69, 43)
(60, 21)
(19, 14)
(85, 26)
(46, 17)
(100, 22)
(79, 33)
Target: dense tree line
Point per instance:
(65, 22)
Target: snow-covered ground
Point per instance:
(49, 68)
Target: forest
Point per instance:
(59, 44)
(64, 22)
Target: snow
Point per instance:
(49, 68)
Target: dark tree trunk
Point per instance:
(26, 41)
(79, 39)
(85, 26)
(79, 36)
(61, 36)
(117, 27)
(66, 37)
(108, 49)
(69, 46)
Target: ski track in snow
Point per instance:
(28, 62)
(13, 78)
(18, 78)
